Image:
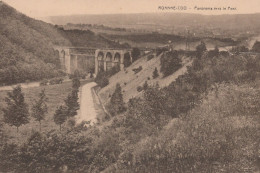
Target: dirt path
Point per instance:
(90, 106)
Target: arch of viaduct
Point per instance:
(92, 59)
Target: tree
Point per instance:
(60, 115)
(117, 101)
(200, 49)
(155, 73)
(145, 85)
(256, 47)
(135, 53)
(16, 113)
(170, 63)
(72, 104)
(75, 83)
(40, 109)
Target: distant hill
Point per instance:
(26, 46)
(236, 21)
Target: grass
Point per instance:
(55, 94)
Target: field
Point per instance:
(55, 94)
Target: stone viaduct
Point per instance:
(92, 59)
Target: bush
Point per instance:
(137, 70)
(139, 88)
(149, 57)
(155, 73)
(56, 81)
(102, 79)
(44, 82)
(135, 53)
(170, 63)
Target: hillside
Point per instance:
(129, 80)
(26, 46)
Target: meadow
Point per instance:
(55, 94)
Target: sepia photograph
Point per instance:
(130, 86)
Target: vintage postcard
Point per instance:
(133, 86)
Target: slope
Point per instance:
(26, 46)
(129, 80)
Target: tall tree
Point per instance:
(200, 49)
(60, 115)
(135, 53)
(72, 103)
(40, 109)
(117, 100)
(75, 83)
(16, 113)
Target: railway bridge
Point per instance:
(92, 59)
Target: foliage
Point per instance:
(160, 50)
(149, 57)
(16, 113)
(238, 49)
(102, 77)
(139, 88)
(200, 49)
(145, 85)
(39, 108)
(256, 47)
(127, 60)
(206, 140)
(170, 63)
(213, 53)
(56, 81)
(155, 73)
(60, 115)
(116, 104)
(135, 53)
(44, 82)
(75, 83)
(72, 104)
(137, 70)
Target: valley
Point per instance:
(150, 92)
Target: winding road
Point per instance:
(89, 102)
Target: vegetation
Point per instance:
(135, 53)
(39, 108)
(16, 113)
(217, 121)
(170, 63)
(256, 47)
(137, 70)
(30, 56)
(204, 121)
(155, 73)
(116, 105)
(102, 76)
(60, 116)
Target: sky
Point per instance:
(43, 8)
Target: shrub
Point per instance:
(155, 73)
(149, 57)
(101, 80)
(56, 81)
(139, 88)
(135, 53)
(137, 70)
(170, 63)
(44, 82)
